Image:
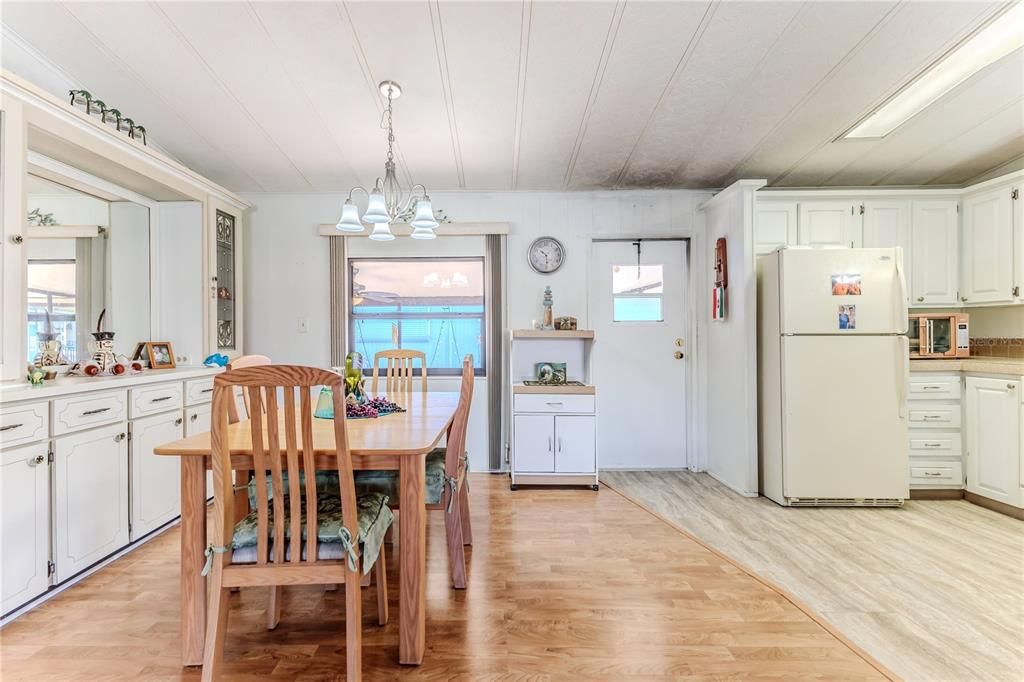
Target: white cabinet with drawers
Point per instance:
(935, 436)
(155, 399)
(87, 410)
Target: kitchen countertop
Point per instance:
(982, 365)
(15, 392)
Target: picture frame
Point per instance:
(140, 353)
(160, 354)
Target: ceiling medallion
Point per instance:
(387, 202)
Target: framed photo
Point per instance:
(161, 355)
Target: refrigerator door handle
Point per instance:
(901, 302)
(903, 373)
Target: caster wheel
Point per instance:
(514, 487)
(595, 488)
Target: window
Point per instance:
(51, 291)
(636, 293)
(433, 305)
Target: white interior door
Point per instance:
(640, 326)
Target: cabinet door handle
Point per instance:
(931, 388)
(100, 410)
(933, 445)
(206, 390)
(161, 399)
(932, 417)
(549, 443)
(932, 473)
(559, 443)
(119, 437)
(554, 404)
(920, 299)
(193, 418)
(178, 421)
(37, 460)
(1011, 386)
(11, 426)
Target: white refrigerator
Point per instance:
(833, 371)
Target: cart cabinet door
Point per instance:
(535, 443)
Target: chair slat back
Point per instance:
(456, 445)
(241, 362)
(282, 444)
(398, 375)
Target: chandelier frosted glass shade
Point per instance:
(376, 209)
(381, 232)
(423, 233)
(349, 218)
(424, 217)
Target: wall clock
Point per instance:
(546, 255)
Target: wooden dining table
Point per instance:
(398, 441)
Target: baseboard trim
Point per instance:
(996, 506)
(929, 494)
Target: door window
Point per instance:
(637, 293)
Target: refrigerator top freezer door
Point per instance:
(842, 291)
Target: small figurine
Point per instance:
(567, 323)
(548, 315)
(34, 375)
(216, 360)
(49, 346)
(103, 360)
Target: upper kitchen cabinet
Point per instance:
(987, 275)
(830, 223)
(886, 225)
(225, 259)
(933, 237)
(774, 226)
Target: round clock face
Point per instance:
(546, 255)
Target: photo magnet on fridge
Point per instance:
(847, 317)
(846, 284)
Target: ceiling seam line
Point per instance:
(857, 47)
(297, 86)
(446, 86)
(595, 88)
(938, 146)
(750, 78)
(103, 47)
(526, 19)
(371, 82)
(905, 82)
(213, 74)
(680, 67)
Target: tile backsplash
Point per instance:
(1001, 347)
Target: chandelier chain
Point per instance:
(391, 132)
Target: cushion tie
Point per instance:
(465, 467)
(350, 549)
(208, 553)
(453, 485)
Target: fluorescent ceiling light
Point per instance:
(995, 41)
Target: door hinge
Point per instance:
(862, 209)
(1014, 194)
(50, 457)
(1016, 291)
(51, 568)
(129, 528)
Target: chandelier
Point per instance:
(387, 203)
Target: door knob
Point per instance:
(679, 342)
(678, 355)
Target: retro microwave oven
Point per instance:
(939, 335)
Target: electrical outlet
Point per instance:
(303, 325)
(183, 359)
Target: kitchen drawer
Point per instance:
(937, 444)
(155, 399)
(21, 424)
(554, 404)
(86, 410)
(934, 388)
(198, 391)
(949, 474)
(930, 416)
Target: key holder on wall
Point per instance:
(718, 293)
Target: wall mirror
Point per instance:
(85, 253)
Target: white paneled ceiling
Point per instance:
(282, 96)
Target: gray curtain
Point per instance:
(494, 273)
(339, 301)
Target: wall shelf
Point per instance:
(554, 390)
(552, 334)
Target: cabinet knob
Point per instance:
(964, 299)
(178, 421)
(119, 437)
(920, 299)
(1011, 386)
(193, 417)
(38, 459)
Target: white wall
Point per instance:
(288, 271)
(179, 247)
(731, 348)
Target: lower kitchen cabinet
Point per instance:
(197, 420)
(24, 524)
(90, 495)
(555, 443)
(156, 489)
(993, 414)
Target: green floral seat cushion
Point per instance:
(386, 482)
(375, 517)
(326, 484)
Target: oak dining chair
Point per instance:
(241, 362)
(447, 488)
(270, 547)
(398, 375)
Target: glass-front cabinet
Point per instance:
(225, 310)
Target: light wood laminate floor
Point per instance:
(563, 585)
(934, 591)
